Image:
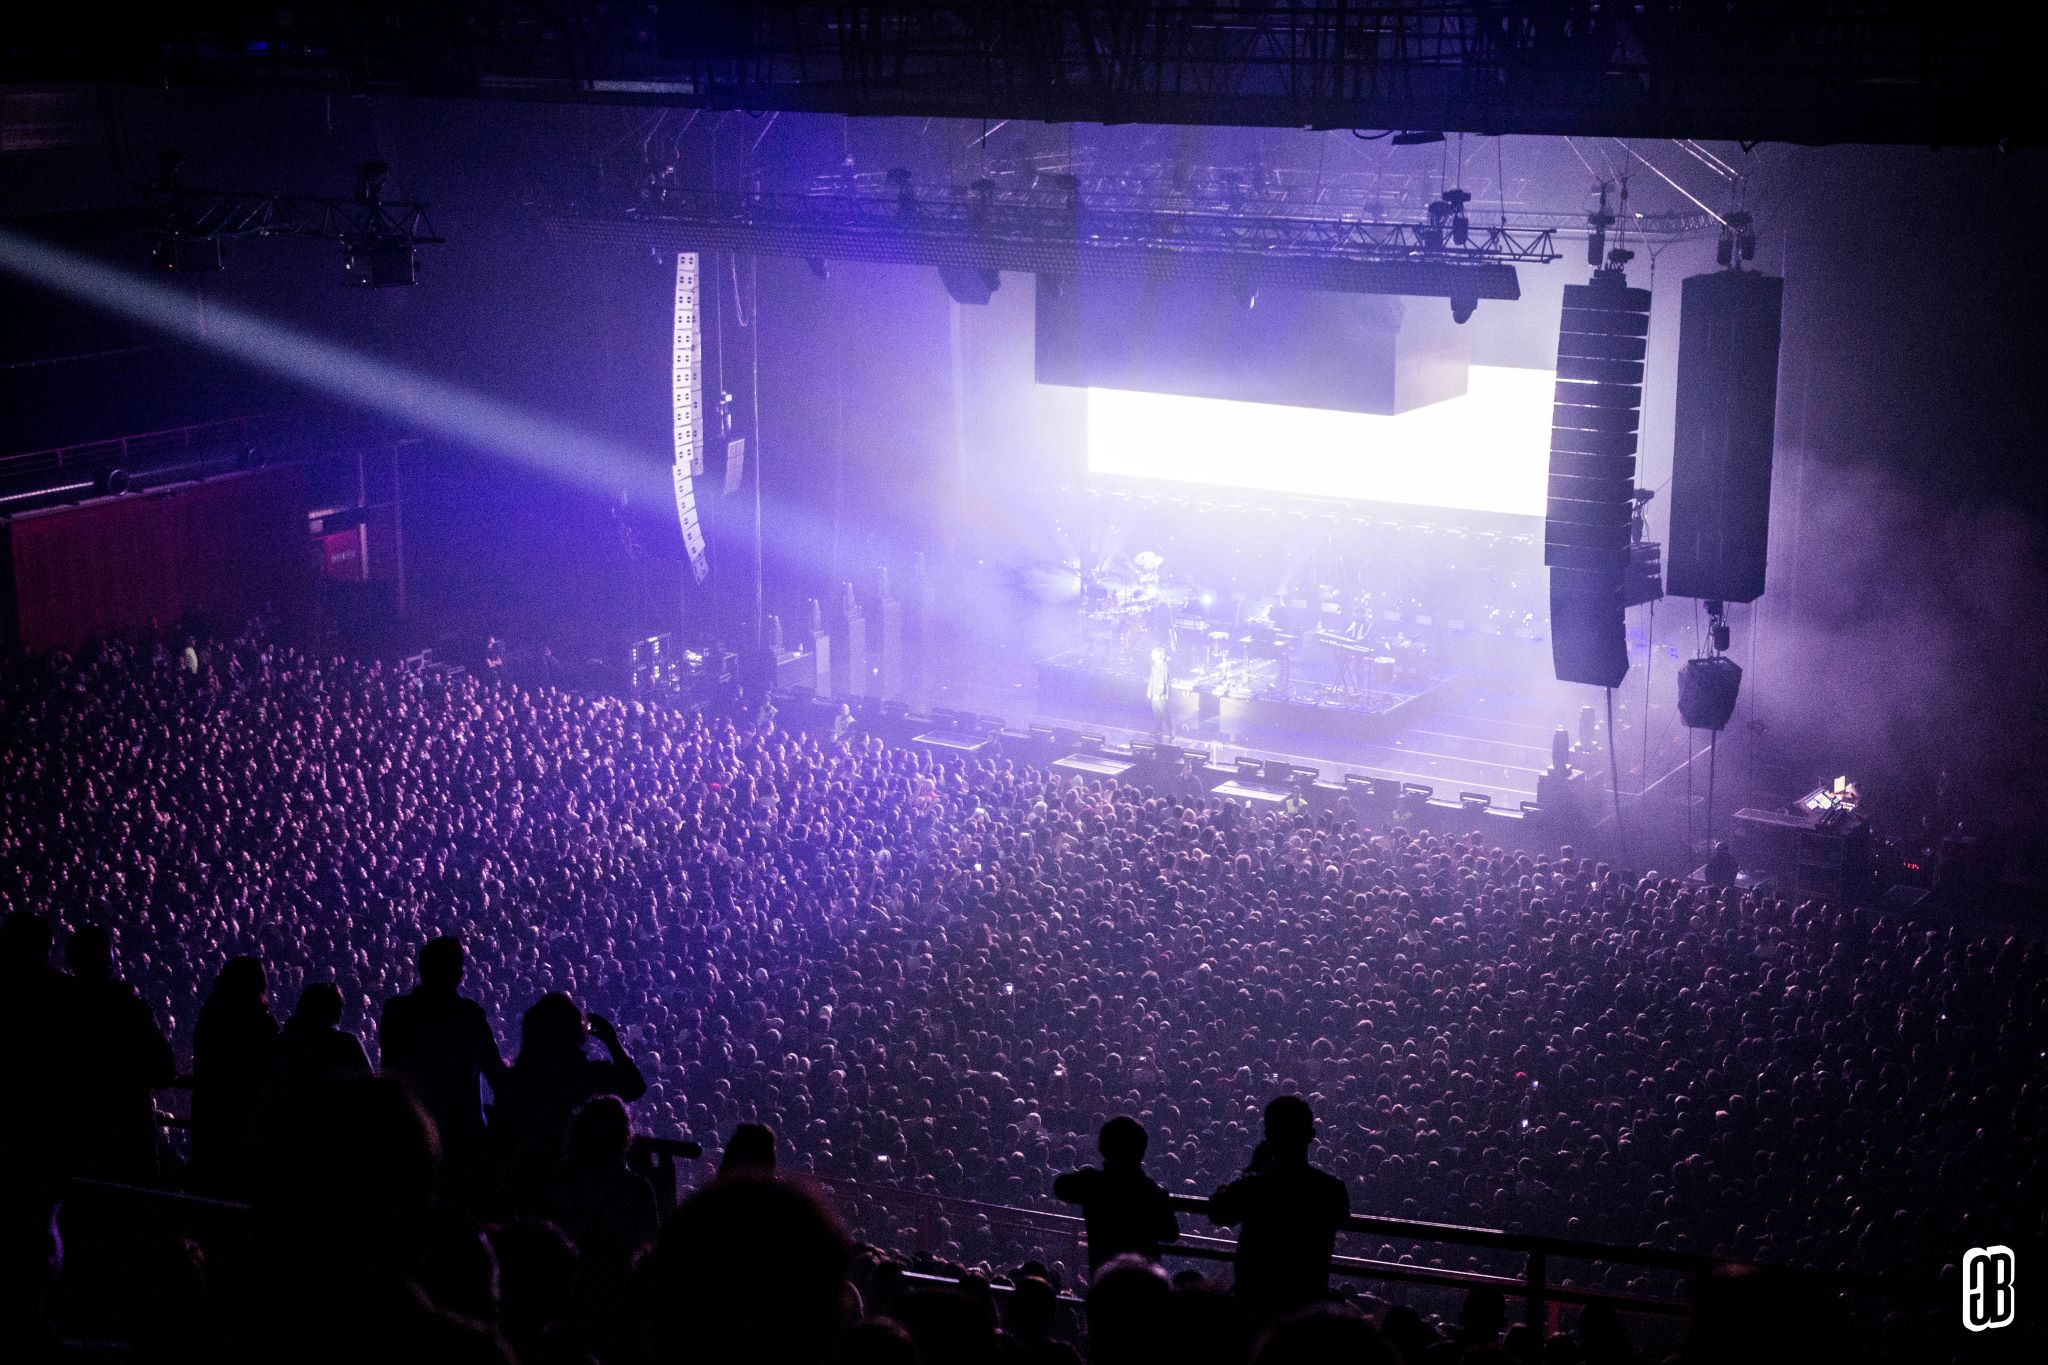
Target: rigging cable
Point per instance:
(1614, 781)
(1713, 755)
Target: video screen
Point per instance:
(1487, 451)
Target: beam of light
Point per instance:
(1485, 451)
(460, 414)
(1697, 202)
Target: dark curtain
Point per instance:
(223, 548)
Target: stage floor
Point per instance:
(1488, 738)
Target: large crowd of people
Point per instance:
(932, 974)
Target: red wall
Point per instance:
(223, 548)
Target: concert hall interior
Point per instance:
(905, 586)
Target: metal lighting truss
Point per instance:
(1292, 191)
(1054, 232)
(358, 223)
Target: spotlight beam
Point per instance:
(450, 410)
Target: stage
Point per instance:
(1464, 734)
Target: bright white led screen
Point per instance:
(1487, 451)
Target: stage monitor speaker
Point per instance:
(1725, 430)
(1601, 342)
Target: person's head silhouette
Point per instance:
(441, 963)
(241, 982)
(552, 1027)
(319, 1006)
(750, 1152)
(746, 1271)
(1122, 1142)
(90, 953)
(1290, 1127)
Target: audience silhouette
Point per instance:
(820, 936)
(608, 1211)
(439, 1042)
(750, 1151)
(234, 1052)
(551, 1078)
(30, 1069)
(707, 1296)
(1125, 1210)
(1323, 1334)
(313, 1048)
(113, 1058)
(1288, 1213)
(1129, 1303)
(345, 1215)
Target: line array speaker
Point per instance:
(1724, 435)
(1600, 347)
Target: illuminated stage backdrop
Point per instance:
(1485, 451)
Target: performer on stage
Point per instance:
(1159, 692)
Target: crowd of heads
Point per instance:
(941, 975)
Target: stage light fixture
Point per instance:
(1453, 212)
(186, 255)
(384, 265)
(906, 191)
(1464, 302)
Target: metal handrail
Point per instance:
(1534, 1285)
(120, 447)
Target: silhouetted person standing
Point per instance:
(551, 1078)
(314, 1049)
(438, 1042)
(1287, 1213)
(343, 1228)
(609, 1211)
(29, 1072)
(1722, 869)
(1125, 1210)
(234, 1046)
(115, 1056)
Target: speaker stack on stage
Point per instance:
(1586, 541)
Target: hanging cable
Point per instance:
(1649, 662)
(1703, 150)
(1691, 150)
(1587, 164)
(1500, 177)
(1713, 756)
(1696, 201)
(1688, 792)
(1614, 781)
(754, 352)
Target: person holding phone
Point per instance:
(553, 1076)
